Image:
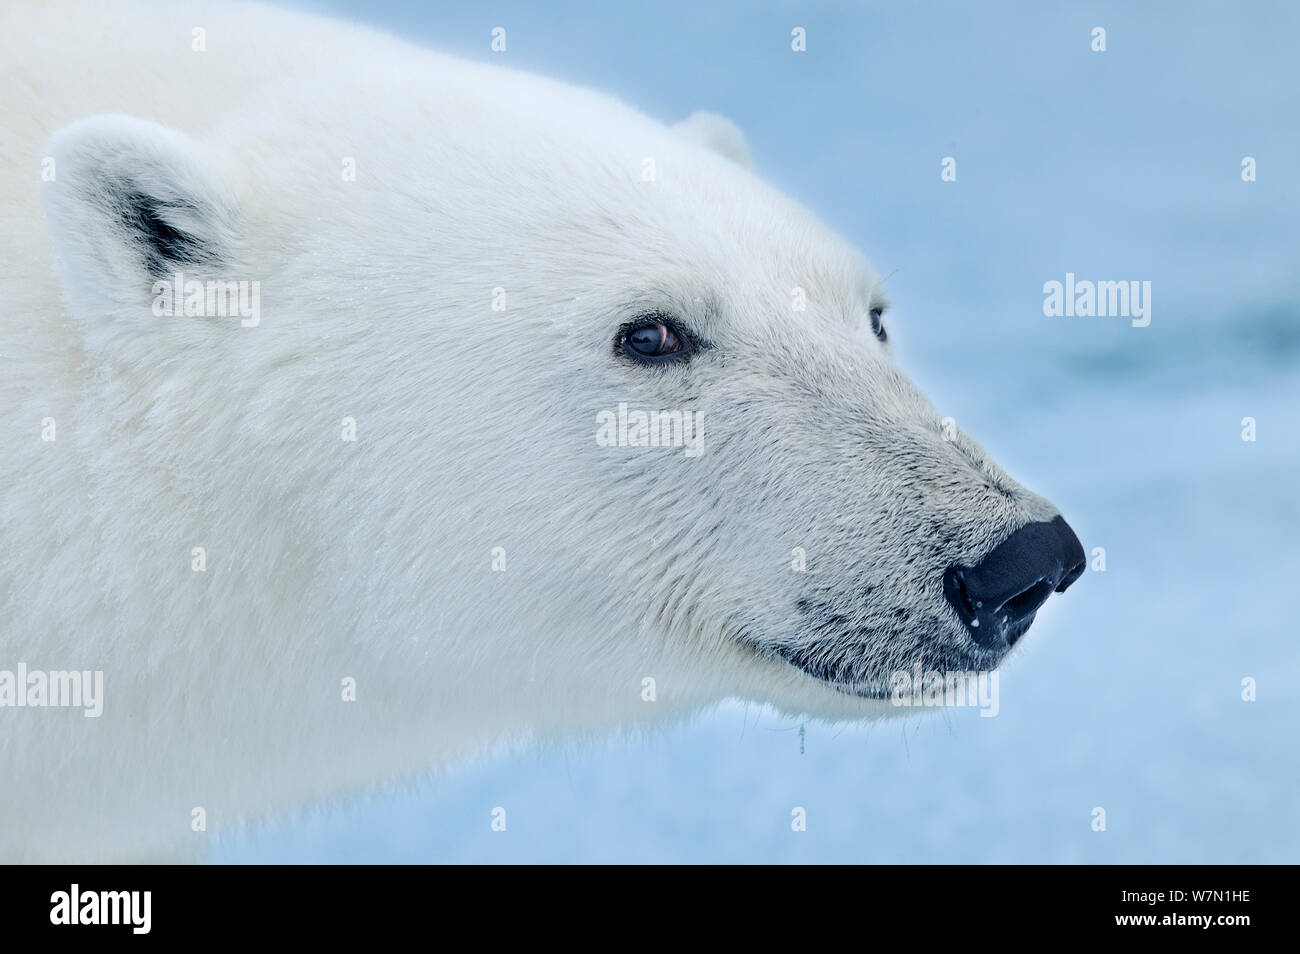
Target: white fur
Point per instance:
(717, 133)
(475, 428)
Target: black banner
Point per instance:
(930, 904)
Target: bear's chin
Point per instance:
(824, 683)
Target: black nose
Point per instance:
(998, 597)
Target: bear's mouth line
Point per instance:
(858, 690)
(792, 658)
(826, 671)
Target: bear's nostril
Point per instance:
(954, 588)
(1074, 572)
(1028, 601)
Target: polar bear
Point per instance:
(360, 522)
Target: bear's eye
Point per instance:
(652, 340)
(878, 326)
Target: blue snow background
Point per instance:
(1117, 165)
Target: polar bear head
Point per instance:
(620, 409)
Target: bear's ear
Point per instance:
(717, 133)
(131, 202)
